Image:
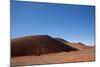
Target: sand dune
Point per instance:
(26, 52)
(37, 45)
(79, 46)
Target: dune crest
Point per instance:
(37, 45)
(43, 49)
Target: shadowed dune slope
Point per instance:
(78, 46)
(61, 40)
(37, 45)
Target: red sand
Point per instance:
(84, 53)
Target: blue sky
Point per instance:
(74, 23)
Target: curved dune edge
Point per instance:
(53, 51)
(37, 45)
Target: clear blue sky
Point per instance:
(74, 23)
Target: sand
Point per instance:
(48, 55)
(87, 54)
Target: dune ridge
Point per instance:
(37, 45)
(43, 49)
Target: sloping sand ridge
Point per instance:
(44, 49)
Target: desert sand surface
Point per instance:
(83, 53)
(62, 57)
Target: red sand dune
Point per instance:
(37, 45)
(78, 46)
(44, 49)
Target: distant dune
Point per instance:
(43, 49)
(61, 40)
(78, 46)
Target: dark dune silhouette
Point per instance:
(81, 43)
(37, 45)
(61, 40)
